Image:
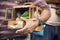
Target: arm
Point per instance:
(45, 15)
(46, 11)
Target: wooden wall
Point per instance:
(53, 1)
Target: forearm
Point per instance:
(45, 15)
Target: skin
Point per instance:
(31, 24)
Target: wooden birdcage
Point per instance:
(21, 9)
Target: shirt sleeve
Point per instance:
(43, 4)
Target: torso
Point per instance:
(54, 19)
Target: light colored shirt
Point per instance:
(54, 19)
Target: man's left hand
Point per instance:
(31, 24)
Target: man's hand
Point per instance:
(31, 24)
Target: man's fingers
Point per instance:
(19, 31)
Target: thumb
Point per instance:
(19, 31)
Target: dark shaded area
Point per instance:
(20, 11)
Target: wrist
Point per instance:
(35, 22)
(39, 22)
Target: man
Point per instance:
(31, 24)
(52, 29)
